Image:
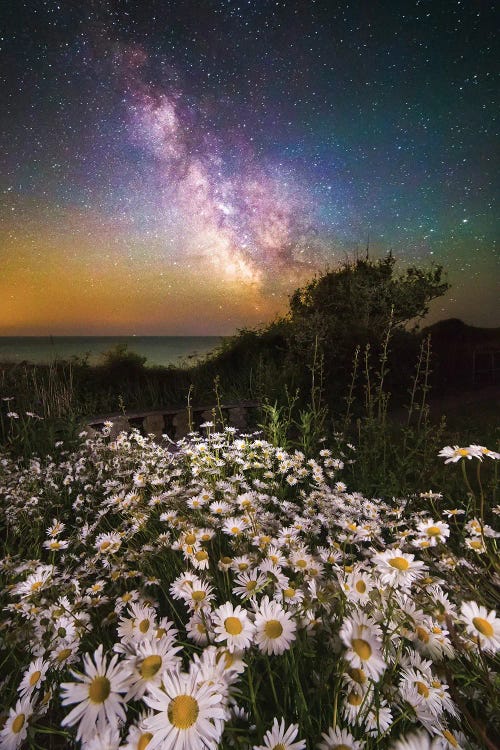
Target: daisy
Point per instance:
(455, 454)
(54, 545)
(362, 638)
(104, 739)
(234, 526)
(274, 628)
(281, 738)
(433, 531)
(482, 626)
(249, 584)
(396, 568)
(108, 544)
(417, 741)
(147, 666)
(189, 717)
(339, 739)
(15, 729)
(34, 582)
(232, 625)
(98, 695)
(33, 677)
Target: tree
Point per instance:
(355, 305)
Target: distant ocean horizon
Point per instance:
(159, 350)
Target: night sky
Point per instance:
(180, 167)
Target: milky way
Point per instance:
(180, 167)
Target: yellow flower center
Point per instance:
(301, 564)
(362, 648)
(235, 529)
(422, 634)
(190, 538)
(462, 452)
(289, 593)
(422, 689)
(273, 628)
(448, 735)
(433, 531)
(400, 563)
(18, 723)
(242, 566)
(198, 596)
(150, 666)
(279, 746)
(144, 740)
(183, 711)
(144, 626)
(64, 654)
(250, 585)
(342, 747)
(484, 627)
(35, 677)
(357, 675)
(99, 689)
(34, 587)
(104, 546)
(476, 544)
(226, 560)
(201, 555)
(233, 625)
(354, 699)
(360, 587)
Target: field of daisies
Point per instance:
(228, 594)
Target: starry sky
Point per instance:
(181, 167)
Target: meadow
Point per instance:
(328, 580)
(233, 594)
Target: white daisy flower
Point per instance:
(232, 625)
(281, 737)
(456, 453)
(433, 531)
(397, 568)
(417, 741)
(274, 628)
(15, 729)
(153, 657)
(482, 626)
(33, 677)
(362, 638)
(339, 739)
(188, 716)
(98, 694)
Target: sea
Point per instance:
(159, 350)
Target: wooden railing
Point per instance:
(175, 422)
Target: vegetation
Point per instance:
(314, 582)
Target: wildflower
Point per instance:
(482, 626)
(15, 729)
(274, 628)
(339, 739)
(98, 695)
(108, 544)
(232, 625)
(417, 741)
(433, 531)
(397, 568)
(455, 454)
(33, 677)
(54, 545)
(34, 582)
(362, 638)
(188, 716)
(148, 664)
(281, 737)
(482, 451)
